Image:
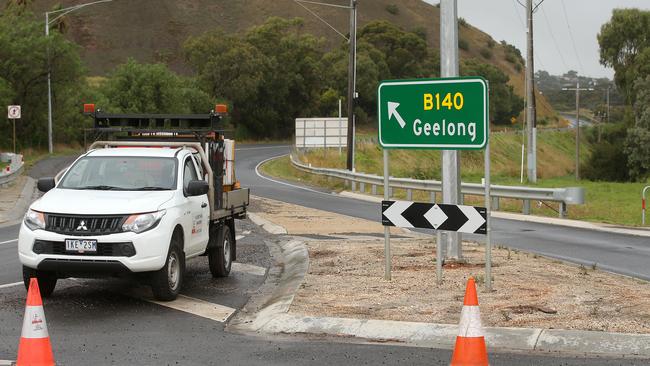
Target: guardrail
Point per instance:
(563, 196)
(13, 170)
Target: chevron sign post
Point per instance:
(458, 218)
(439, 114)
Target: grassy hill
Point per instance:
(154, 30)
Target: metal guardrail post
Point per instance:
(433, 197)
(495, 203)
(362, 187)
(409, 195)
(526, 207)
(563, 210)
(374, 190)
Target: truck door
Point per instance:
(200, 212)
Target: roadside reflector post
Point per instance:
(643, 205)
(387, 256)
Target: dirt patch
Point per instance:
(345, 279)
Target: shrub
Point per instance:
(608, 157)
(486, 53)
(392, 8)
(462, 22)
(491, 43)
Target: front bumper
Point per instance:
(151, 249)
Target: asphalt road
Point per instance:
(99, 322)
(624, 254)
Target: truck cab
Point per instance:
(140, 205)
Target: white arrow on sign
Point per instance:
(394, 213)
(392, 111)
(474, 219)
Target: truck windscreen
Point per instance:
(121, 173)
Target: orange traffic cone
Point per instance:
(35, 348)
(470, 344)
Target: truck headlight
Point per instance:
(143, 222)
(34, 220)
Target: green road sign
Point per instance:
(443, 114)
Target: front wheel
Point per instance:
(46, 280)
(166, 282)
(220, 257)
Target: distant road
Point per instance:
(624, 254)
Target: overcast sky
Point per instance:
(554, 48)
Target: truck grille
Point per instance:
(84, 225)
(125, 249)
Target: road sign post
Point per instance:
(13, 113)
(387, 257)
(441, 114)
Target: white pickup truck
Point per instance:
(141, 205)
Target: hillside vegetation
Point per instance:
(155, 30)
(556, 158)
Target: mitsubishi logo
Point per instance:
(82, 226)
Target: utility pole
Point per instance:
(531, 108)
(577, 90)
(352, 76)
(531, 115)
(607, 103)
(450, 158)
(50, 145)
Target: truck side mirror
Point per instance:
(197, 188)
(45, 184)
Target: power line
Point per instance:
(557, 48)
(573, 42)
(319, 18)
(523, 26)
(521, 22)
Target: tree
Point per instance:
(406, 53)
(25, 57)
(624, 43)
(271, 75)
(504, 103)
(637, 143)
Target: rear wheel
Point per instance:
(220, 256)
(166, 282)
(46, 280)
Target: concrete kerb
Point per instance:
(22, 203)
(267, 312)
(267, 225)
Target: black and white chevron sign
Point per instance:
(459, 218)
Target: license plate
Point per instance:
(81, 245)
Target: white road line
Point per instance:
(239, 237)
(8, 241)
(11, 284)
(248, 268)
(257, 171)
(197, 307)
(260, 148)
(6, 363)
